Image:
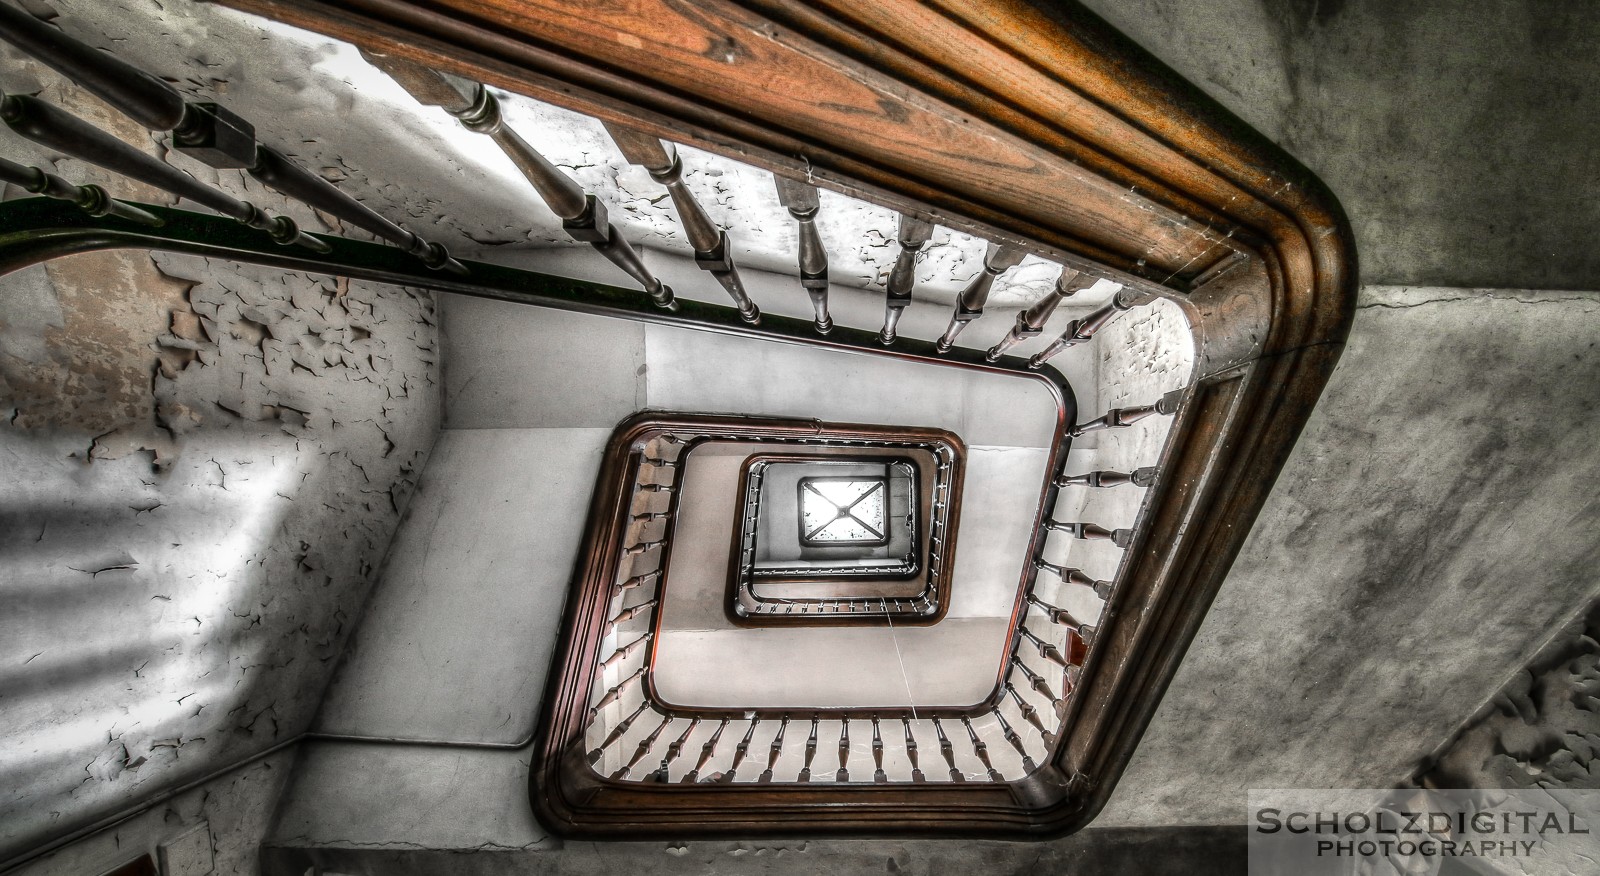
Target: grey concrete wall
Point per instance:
(1460, 135)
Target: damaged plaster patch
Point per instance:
(164, 621)
(1542, 729)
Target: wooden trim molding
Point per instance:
(1025, 122)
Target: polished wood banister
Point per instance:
(1270, 326)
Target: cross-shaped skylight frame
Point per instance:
(843, 511)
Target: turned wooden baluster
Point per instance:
(997, 259)
(1037, 682)
(802, 202)
(616, 693)
(90, 199)
(1081, 330)
(811, 750)
(843, 775)
(1030, 322)
(878, 775)
(712, 252)
(981, 749)
(707, 752)
(1063, 617)
(1072, 576)
(583, 216)
(61, 131)
(1015, 740)
(643, 748)
(616, 733)
(204, 131)
(911, 750)
(643, 547)
(664, 772)
(624, 652)
(914, 234)
(740, 751)
(1117, 418)
(948, 750)
(1091, 532)
(659, 462)
(1031, 715)
(775, 752)
(638, 581)
(628, 614)
(1139, 477)
(1046, 650)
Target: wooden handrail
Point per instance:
(1046, 129)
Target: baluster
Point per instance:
(878, 775)
(616, 693)
(643, 547)
(1016, 741)
(981, 749)
(1063, 617)
(948, 750)
(1091, 532)
(1030, 322)
(628, 614)
(911, 750)
(583, 216)
(843, 775)
(775, 752)
(1072, 576)
(1046, 650)
(90, 199)
(1031, 715)
(616, 733)
(811, 750)
(624, 653)
(643, 748)
(655, 488)
(1081, 330)
(914, 234)
(712, 252)
(707, 752)
(1139, 477)
(664, 772)
(650, 516)
(1038, 683)
(997, 259)
(57, 129)
(1117, 418)
(740, 751)
(204, 131)
(658, 462)
(802, 202)
(638, 581)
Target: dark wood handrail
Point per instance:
(1046, 129)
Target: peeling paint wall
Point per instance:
(199, 496)
(1542, 730)
(204, 465)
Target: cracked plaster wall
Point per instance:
(205, 463)
(1542, 730)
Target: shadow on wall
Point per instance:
(205, 464)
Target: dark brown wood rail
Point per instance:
(1028, 123)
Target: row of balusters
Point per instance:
(219, 138)
(1037, 694)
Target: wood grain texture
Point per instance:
(1021, 121)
